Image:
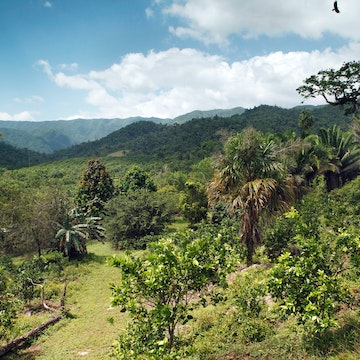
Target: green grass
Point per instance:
(219, 332)
(179, 224)
(87, 333)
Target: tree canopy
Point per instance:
(337, 87)
(95, 188)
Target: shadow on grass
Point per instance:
(88, 258)
(28, 354)
(344, 339)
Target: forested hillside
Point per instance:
(49, 136)
(198, 138)
(189, 141)
(15, 158)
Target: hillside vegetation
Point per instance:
(187, 139)
(193, 140)
(49, 136)
(218, 238)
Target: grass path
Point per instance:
(89, 334)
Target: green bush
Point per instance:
(309, 285)
(135, 216)
(160, 289)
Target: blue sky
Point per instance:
(65, 59)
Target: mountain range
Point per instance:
(49, 136)
(186, 141)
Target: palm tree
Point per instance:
(251, 178)
(355, 128)
(73, 234)
(343, 161)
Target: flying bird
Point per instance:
(336, 9)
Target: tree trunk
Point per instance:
(15, 343)
(62, 300)
(333, 180)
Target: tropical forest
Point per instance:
(213, 238)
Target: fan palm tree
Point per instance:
(251, 178)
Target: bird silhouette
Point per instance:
(336, 9)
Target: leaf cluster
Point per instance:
(160, 289)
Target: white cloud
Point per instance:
(47, 4)
(149, 12)
(70, 67)
(24, 115)
(46, 67)
(175, 81)
(213, 21)
(34, 99)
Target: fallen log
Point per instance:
(18, 341)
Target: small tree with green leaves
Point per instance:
(137, 178)
(309, 284)
(160, 289)
(194, 202)
(305, 121)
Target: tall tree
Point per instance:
(305, 121)
(251, 178)
(95, 188)
(337, 87)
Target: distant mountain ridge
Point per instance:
(198, 114)
(193, 140)
(49, 136)
(181, 143)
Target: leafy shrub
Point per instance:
(161, 288)
(135, 179)
(194, 202)
(132, 217)
(308, 285)
(7, 299)
(278, 237)
(249, 294)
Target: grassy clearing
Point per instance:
(228, 331)
(87, 333)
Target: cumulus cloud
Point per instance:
(213, 21)
(24, 115)
(172, 82)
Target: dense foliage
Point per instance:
(134, 216)
(136, 178)
(160, 289)
(95, 189)
(295, 289)
(187, 143)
